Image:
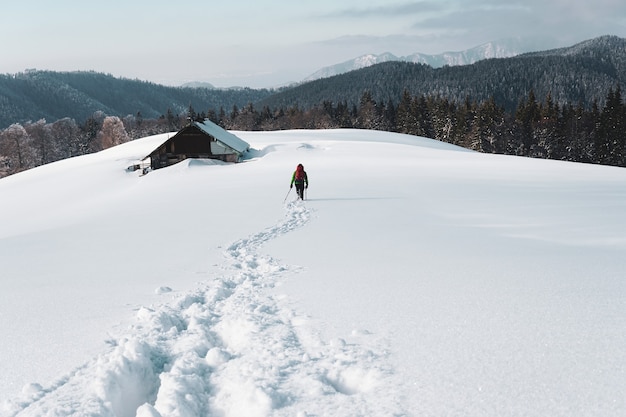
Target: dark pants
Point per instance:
(300, 189)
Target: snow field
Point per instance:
(227, 348)
(417, 279)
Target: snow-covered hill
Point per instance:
(417, 279)
(497, 49)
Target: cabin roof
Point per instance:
(223, 135)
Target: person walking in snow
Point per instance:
(301, 180)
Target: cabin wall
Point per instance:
(191, 144)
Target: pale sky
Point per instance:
(265, 43)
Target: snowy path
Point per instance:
(230, 348)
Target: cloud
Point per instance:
(389, 10)
(562, 22)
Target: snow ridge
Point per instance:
(228, 348)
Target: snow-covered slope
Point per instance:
(417, 279)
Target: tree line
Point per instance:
(28, 145)
(536, 128)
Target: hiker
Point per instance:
(301, 180)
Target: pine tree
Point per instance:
(488, 125)
(610, 147)
(368, 116)
(406, 121)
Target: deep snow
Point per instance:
(418, 279)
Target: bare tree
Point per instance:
(39, 141)
(66, 138)
(112, 133)
(15, 149)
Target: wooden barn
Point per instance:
(198, 140)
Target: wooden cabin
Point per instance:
(198, 140)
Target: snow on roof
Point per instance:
(223, 136)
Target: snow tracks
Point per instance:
(229, 348)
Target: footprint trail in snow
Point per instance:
(229, 348)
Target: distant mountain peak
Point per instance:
(198, 84)
(362, 61)
(504, 48)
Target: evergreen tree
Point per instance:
(464, 133)
(212, 115)
(612, 127)
(488, 126)
(406, 121)
(368, 116)
(607, 141)
(172, 121)
(389, 117)
(441, 119)
(221, 118)
(192, 116)
(527, 115)
(342, 115)
(422, 114)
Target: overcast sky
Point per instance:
(264, 43)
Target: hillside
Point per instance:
(582, 73)
(417, 279)
(34, 95)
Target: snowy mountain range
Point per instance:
(497, 49)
